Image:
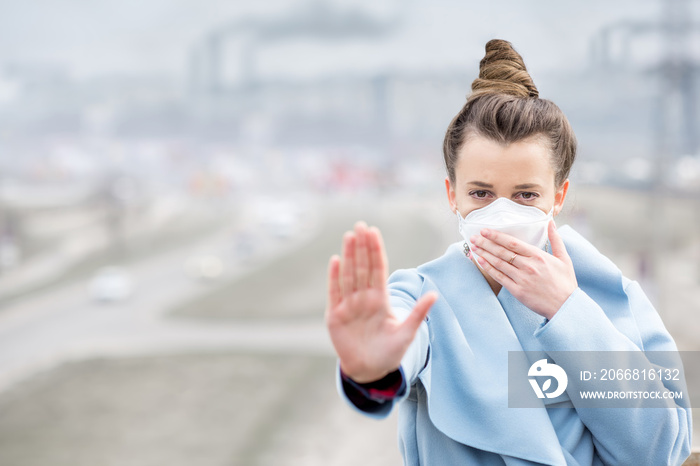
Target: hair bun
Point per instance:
(502, 71)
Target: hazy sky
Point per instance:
(97, 37)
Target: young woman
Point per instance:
(515, 284)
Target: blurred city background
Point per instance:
(175, 175)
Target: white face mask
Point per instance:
(527, 223)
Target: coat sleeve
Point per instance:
(405, 287)
(622, 435)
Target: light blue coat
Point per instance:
(456, 412)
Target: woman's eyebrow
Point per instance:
(481, 184)
(528, 186)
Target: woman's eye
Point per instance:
(528, 195)
(480, 194)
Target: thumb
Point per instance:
(420, 311)
(558, 248)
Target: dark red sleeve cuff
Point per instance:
(369, 395)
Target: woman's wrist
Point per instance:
(363, 378)
(388, 380)
(549, 315)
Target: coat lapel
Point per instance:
(466, 378)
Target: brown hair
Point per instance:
(505, 107)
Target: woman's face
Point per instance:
(520, 171)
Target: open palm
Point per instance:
(368, 337)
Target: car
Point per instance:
(111, 284)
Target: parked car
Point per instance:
(111, 284)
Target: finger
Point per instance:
(378, 273)
(505, 267)
(482, 245)
(509, 242)
(420, 311)
(558, 247)
(496, 274)
(334, 293)
(347, 265)
(362, 259)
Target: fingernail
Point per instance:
(485, 232)
(473, 239)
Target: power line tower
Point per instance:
(676, 122)
(674, 115)
(675, 69)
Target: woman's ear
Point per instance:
(559, 197)
(451, 197)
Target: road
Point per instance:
(64, 324)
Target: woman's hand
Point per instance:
(368, 338)
(541, 281)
